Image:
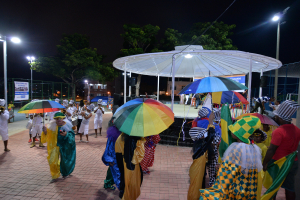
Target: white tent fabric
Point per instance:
(193, 61)
(196, 62)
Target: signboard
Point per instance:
(21, 90)
(239, 79)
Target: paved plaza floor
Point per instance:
(24, 171)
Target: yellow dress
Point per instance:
(261, 174)
(132, 178)
(53, 151)
(196, 174)
(267, 142)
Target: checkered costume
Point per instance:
(212, 163)
(148, 159)
(237, 176)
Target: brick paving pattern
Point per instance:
(24, 172)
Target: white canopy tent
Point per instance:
(193, 62)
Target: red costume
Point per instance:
(148, 159)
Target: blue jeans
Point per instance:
(197, 102)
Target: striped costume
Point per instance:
(148, 159)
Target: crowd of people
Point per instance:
(232, 175)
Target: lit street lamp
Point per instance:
(3, 39)
(277, 18)
(88, 97)
(30, 59)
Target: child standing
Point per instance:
(259, 136)
(99, 110)
(84, 127)
(37, 126)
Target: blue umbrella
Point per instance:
(212, 84)
(190, 88)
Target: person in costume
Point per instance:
(71, 111)
(241, 163)
(109, 159)
(203, 122)
(84, 127)
(130, 152)
(4, 116)
(99, 111)
(60, 139)
(29, 127)
(285, 140)
(260, 103)
(81, 108)
(10, 108)
(150, 145)
(37, 128)
(259, 137)
(203, 139)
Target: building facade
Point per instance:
(99, 89)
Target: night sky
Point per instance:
(40, 25)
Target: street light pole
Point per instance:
(278, 17)
(5, 70)
(3, 39)
(30, 59)
(88, 97)
(277, 57)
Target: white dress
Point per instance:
(37, 126)
(84, 127)
(98, 118)
(4, 125)
(71, 110)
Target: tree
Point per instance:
(216, 37)
(139, 40)
(75, 61)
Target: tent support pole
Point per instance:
(125, 75)
(260, 88)
(249, 83)
(157, 87)
(129, 92)
(173, 81)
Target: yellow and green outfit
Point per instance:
(60, 146)
(238, 174)
(130, 152)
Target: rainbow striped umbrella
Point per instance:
(41, 106)
(143, 117)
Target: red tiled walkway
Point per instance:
(24, 172)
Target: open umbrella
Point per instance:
(41, 106)
(213, 84)
(143, 117)
(263, 118)
(228, 97)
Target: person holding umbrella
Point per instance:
(60, 139)
(137, 119)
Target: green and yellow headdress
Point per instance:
(245, 127)
(59, 115)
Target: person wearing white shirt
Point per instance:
(80, 117)
(4, 116)
(71, 110)
(37, 129)
(99, 110)
(84, 127)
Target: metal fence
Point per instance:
(288, 82)
(40, 90)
